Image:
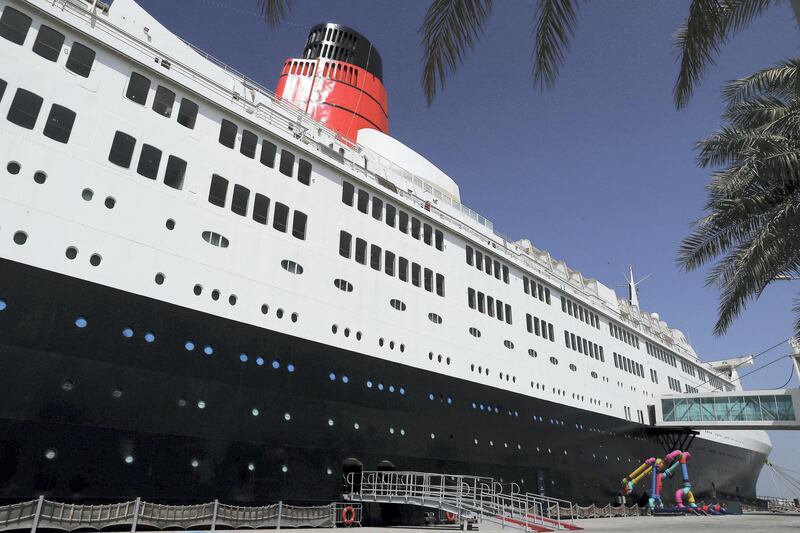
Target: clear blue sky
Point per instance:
(599, 171)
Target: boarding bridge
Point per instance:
(758, 409)
(467, 499)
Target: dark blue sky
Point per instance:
(599, 171)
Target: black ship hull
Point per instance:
(90, 414)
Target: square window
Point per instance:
(121, 152)
(48, 43)
(149, 161)
(80, 60)
(59, 123)
(175, 173)
(138, 88)
(163, 101)
(14, 25)
(187, 113)
(24, 108)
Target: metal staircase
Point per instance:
(469, 498)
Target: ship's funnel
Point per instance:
(338, 81)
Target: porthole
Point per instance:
(294, 317)
(433, 317)
(127, 333)
(330, 422)
(13, 168)
(508, 344)
(110, 202)
(67, 385)
(189, 345)
(532, 352)
(208, 349)
(50, 454)
(553, 360)
(573, 367)
(232, 299)
(116, 393)
(291, 267)
(215, 294)
(251, 466)
(195, 463)
(87, 194)
(334, 329)
(71, 252)
(182, 402)
(346, 332)
(279, 313)
(81, 322)
(170, 224)
(215, 239)
(475, 332)
(402, 347)
(594, 374)
(20, 238)
(160, 278)
(260, 361)
(447, 360)
(356, 426)
(343, 285)
(149, 337)
(276, 364)
(95, 260)
(397, 304)
(287, 417)
(284, 469)
(201, 404)
(254, 411)
(380, 342)
(391, 345)
(39, 177)
(264, 309)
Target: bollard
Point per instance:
(38, 514)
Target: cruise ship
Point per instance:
(211, 290)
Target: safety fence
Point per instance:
(606, 511)
(47, 514)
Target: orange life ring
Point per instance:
(450, 517)
(348, 515)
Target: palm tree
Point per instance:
(451, 28)
(752, 225)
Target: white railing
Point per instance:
(469, 497)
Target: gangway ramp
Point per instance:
(469, 498)
(758, 409)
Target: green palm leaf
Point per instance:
(555, 26)
(274, 11)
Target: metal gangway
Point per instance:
(470, 499)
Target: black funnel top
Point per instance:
(340, 43)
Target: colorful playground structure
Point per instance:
(661, 469)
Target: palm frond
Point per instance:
(780, 80)
(555, 22)
(709, 25)
(274, 11)
(449, 30)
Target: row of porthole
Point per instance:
(127, 332)
(346, 332)
(88, 194)
(51, 453)
(215, 294)
(442, 398)
(488, 408)
(399, 305)
(508, 377)
(491, 443)
(380, 386)
(439, 358)
(13, 168)
(71, 253)
(381, 342)
(481, 370)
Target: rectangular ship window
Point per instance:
(175, 173)
(241, 196)
(403, 222)
(427, 278)
(416, 274)
(375, 257)
(299, 220)
(261, 209)
(138, 88)
(59, 123)
(427, 234)
(304, 172)
(122, 147)
(281, 217)
(388, 262)
(249, 144)
(218, 191)
(24, 108)
(402, 269)
(415, 227)
(287, 163)
(187, 113)
(227, 133)
(268, 151)
(440, 284)
(48, 43)
(348, 193)
(345, 242)
(377, 208)
(14, 25)
(439, 239)
(391, 212)
(80, 60)
(149, 161)
(163, 101)
(363, 200)
(361, 251)
(471, 298)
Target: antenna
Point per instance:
(633, 295)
